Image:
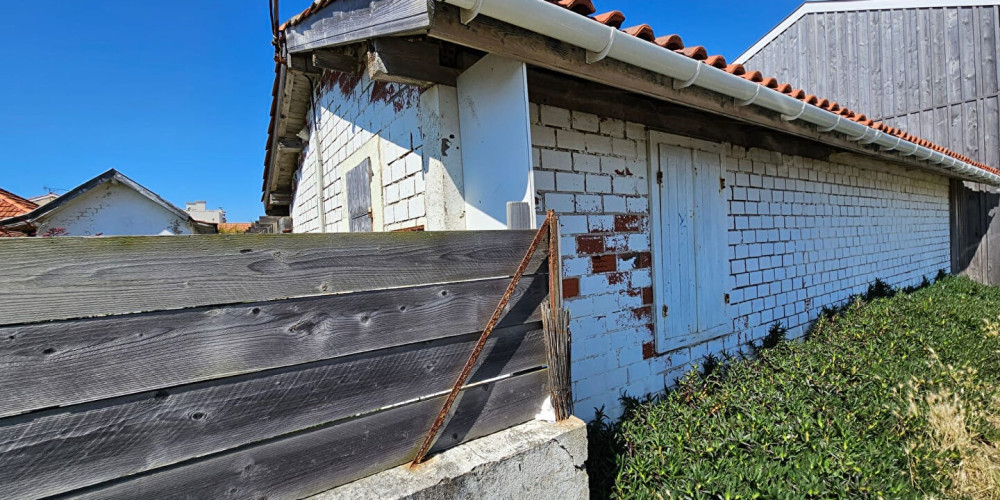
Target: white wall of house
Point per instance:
(802, 234)
(799, 234)
(360, 118)
(111, 209)
(199, 211)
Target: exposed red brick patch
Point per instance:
(571, 288)
(645, 260)
(616, 243)
(643, 313)
(617, 278)
(647, 295)
(648, 350)
(604, 263)
(589, 244)
(630, 223)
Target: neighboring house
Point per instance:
(198, 211)
(929, 67)
(107, 205)
(12, 205)
(700, 202)
(45, 198)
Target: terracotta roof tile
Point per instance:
(614, 18)
(716, 61)
(585, 7)
(736, 69)
(643, 31)
(671, 42)
(12, 205)
(697, 52)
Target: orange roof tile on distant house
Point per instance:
(234, 227)
(12, 205)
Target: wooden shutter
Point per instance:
(359, 197)
(692, 265)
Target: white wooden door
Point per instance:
(690, 245)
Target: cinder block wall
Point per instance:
(802, 234)
(354, 112)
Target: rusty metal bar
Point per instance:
(497, 313)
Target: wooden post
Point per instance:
(555, 322)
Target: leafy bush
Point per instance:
(893, 398)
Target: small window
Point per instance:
(359, 197)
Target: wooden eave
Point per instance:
(693, 103)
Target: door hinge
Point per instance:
(726, 296)
(666, 311)
(659, 177)
(722, 183)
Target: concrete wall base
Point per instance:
(536, 460)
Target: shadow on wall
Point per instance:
(975, 231)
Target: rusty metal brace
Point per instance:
(497, 313)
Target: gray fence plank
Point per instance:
(315, 461)
(61, 278)
(69, 362)
(38, 457)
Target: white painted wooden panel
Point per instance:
(691, 261)
(678, 240)
(711, 259)
(496, 140)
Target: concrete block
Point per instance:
(535, 460)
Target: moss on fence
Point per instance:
(893, 396)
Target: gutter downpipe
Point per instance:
(604, 41)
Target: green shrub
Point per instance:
(855, 411)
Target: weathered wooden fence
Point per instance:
(251, 366)
(975, 231)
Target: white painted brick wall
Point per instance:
(352, 112)
(806, 234)
(802, 234)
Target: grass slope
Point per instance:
(888, 398)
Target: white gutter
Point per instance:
(604, 41)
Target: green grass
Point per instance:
(854, 411)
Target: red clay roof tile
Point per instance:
(643, 31)
(584, 7)
(716, 61)
(736, 69)
(670, 42)
(12, 205)
(697, 52)
(614, 18)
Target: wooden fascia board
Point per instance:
(286, 82)
(349, 21)
(497, 37)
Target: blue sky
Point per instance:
(176, 94)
